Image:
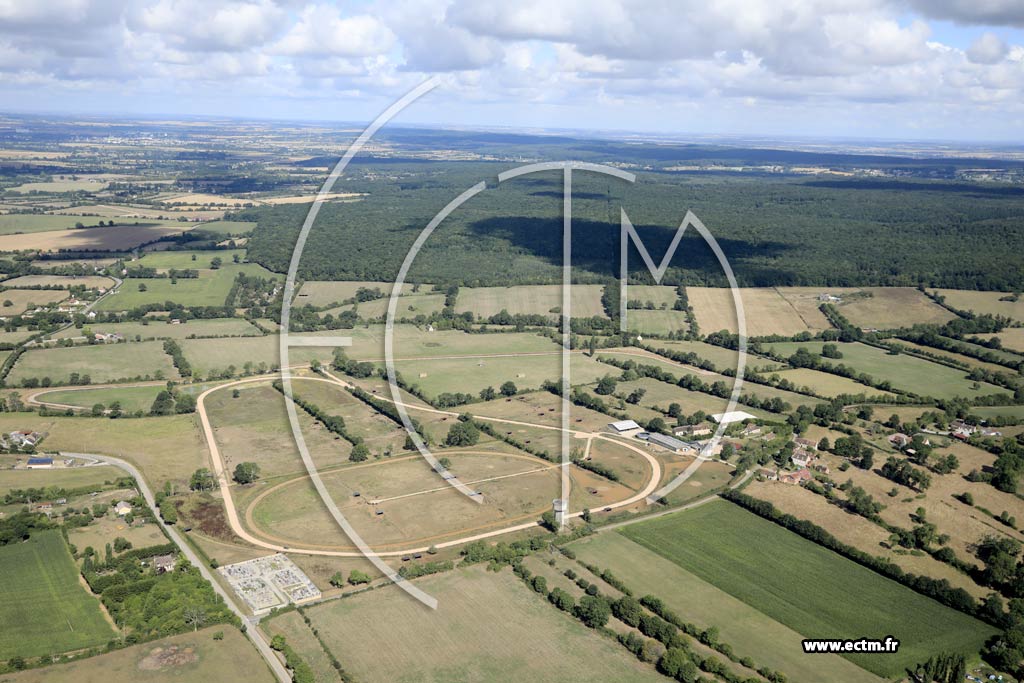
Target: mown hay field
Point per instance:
(488, 628)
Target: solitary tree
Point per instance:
(509, 389)
(359, 453)
(246, 472)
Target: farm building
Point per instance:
(672, 444)
(802, 458)
(899, 440)
(164, 563)
(702, 429)
(767, 474)
(806, 444)
(24, 438)
(732, 416)
(39, 463)
(625, 427)
(123, 508)
(798, 477)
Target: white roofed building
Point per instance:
(732, 416)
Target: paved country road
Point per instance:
(251, 630)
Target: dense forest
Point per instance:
(775, 229)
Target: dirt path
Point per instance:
(240, 530)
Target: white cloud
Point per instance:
(987, 49)
(321, 30)
(209, 26)
(652, 57)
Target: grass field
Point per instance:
(656, 294)
(662, 395)
(209, 289)
(903, 372)
(827, 384)
(71, 477)
(164, 448)
(298, 635)
(186, 657)
(891, 307)
(61, 185)
(406, 488)
(1011, 338)
(538, 299)
(228, 228)
(766, 311)
(24, 299)
(67, 281)
(254, 427)
(470, 375)
(656, 322)
(182, 260)
(409, 306)
(750, 632)
(767, 567)
(114, 238)
(28, 223)
(984, 302)
(488, 627)
(971, 362)
(130, 398)
(326, 292)
(705, 376)
(102, 362)
(991, 411)
(217, 354)
(721, 357)
(41, 594)
(208, 327)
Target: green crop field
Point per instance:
(806, 587)
(185, 657)
(42, 605)
(750, 632)
(488, 627)
(208, 327)
(903, 372)
(102, 362)
(538, 299)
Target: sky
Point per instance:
(888, 69)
